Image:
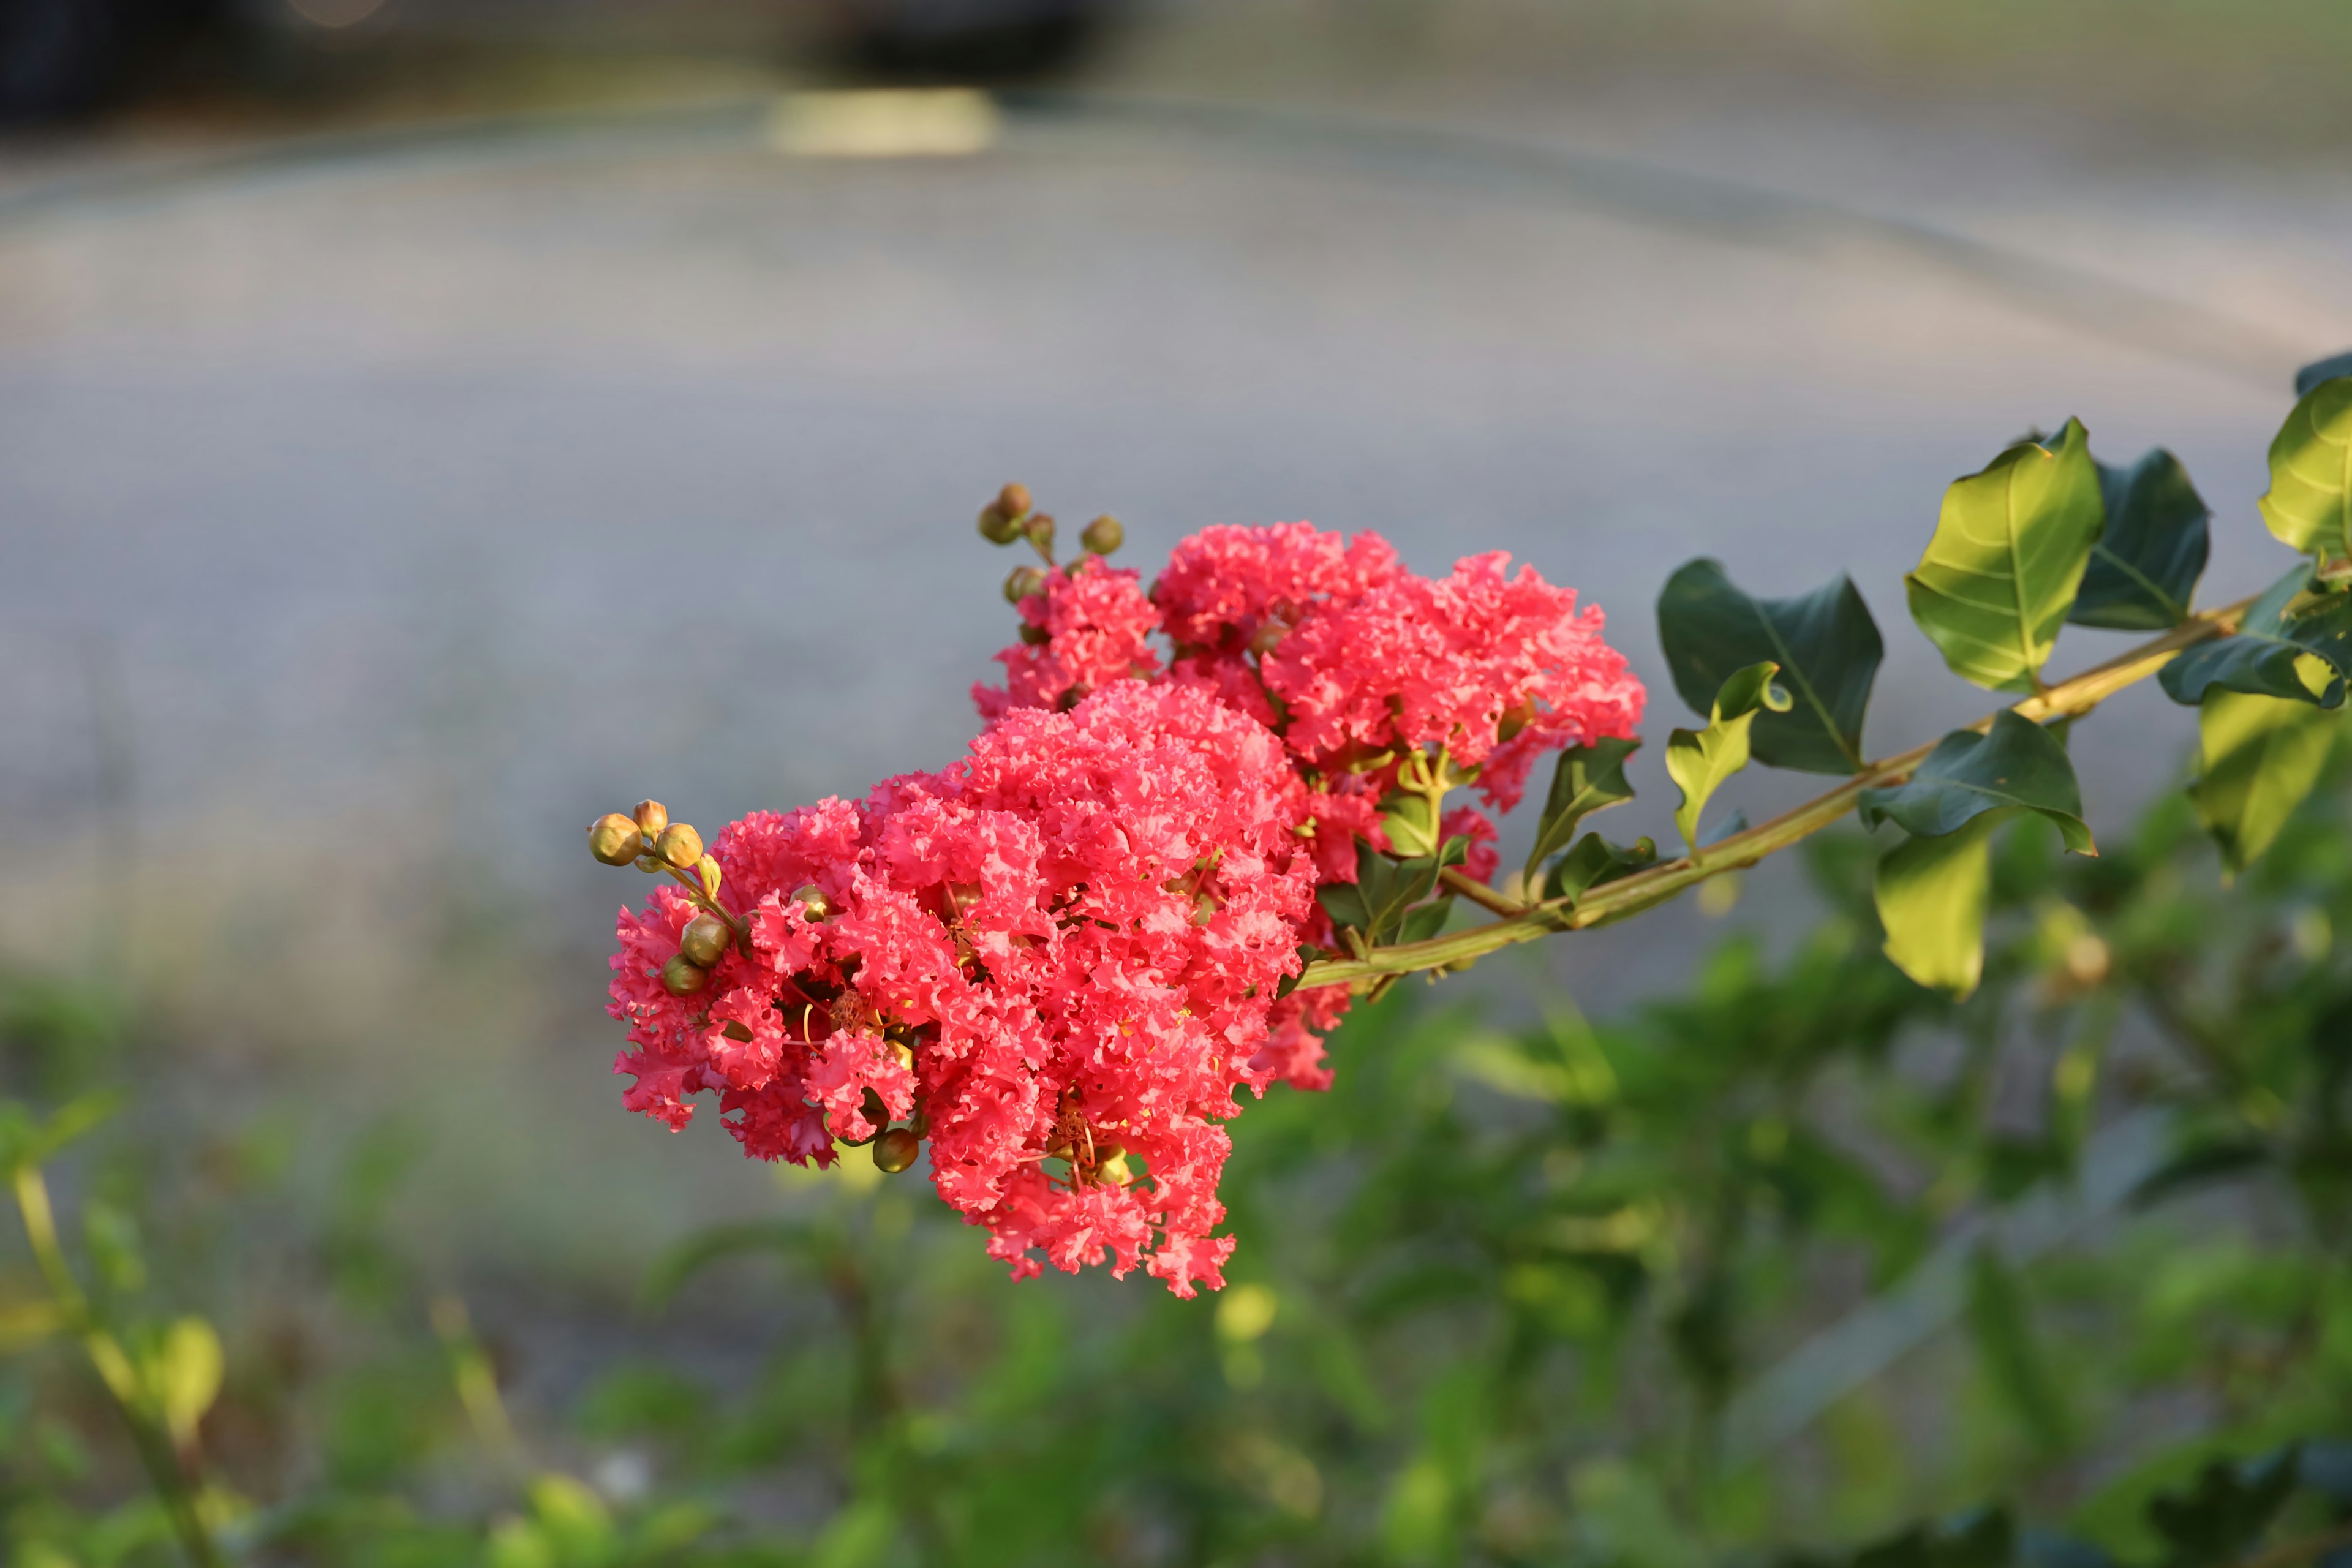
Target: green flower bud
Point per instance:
(814, 904)
(1204, 908)
(615, 840)
(1013, 500)
(679, 845)
(1036, 636)
(1040, 530)
(996, 527)
(653, 816)
(1023, 581)
(681, 976)
(1103, 535)
(1111, 1166)
(896, 1150)
(705, 941)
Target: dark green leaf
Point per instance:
(1586, 779)
(2144, 569)
(2016, 764)
(2321, 370)
(1931, 895)
(2001, 1322)
(2000, 575)
(2262, 756)
(1595, 861)
(1699, 760)
(1426, 921)
(2292, 643)
(1985, 1538)
(2309, 505)
(1826, 645)
(2207, 1160)
(1344, 903)
(2226, 1511)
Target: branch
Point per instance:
(1630, 895)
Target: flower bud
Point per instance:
(814, 905)
(1013, 500)
(614, 839)
(705, 941)
(1111, 1166)
(1103, 535)
(877, 1114)
(1204, 908)
(1025, 581)
(681, 976)
(996, 527)
(896, 1150)
(653, 816)
(1516, 718)
(1034, 635)
(679, 845)
(1267, 637)
(1040, 530)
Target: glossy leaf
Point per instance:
(1586, 779)
(1699, 760)
(2144, 569)
(2293, 644)
(1385, 889)
(2309, 505)
(1931, 895)
(2262, 757)
(2321, 370)
(1825, 642)
(2010, 549)
(2015, 764)
(1595, 861)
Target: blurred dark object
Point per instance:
(64, 57)
(968, 39)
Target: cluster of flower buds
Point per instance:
(1055, 963)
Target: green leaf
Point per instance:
(1931, 895)
(2292, 643)
(1426, 921)
(2218, 1519)
(186, 1374)
(2016, 764)
(1386, 889)
(1999, 576)
(2001, 1322)
(1595, 861)
(1586, 779)
(1410, 823)
(2143, 570)
(2263, 755)
(1826, 645)
(1980, 1540)
(2321, 370)
(2309, 505)
(1699, 760)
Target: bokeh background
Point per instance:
(427, 424)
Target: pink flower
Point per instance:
(1061, 957)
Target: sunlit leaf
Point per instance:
(2016, 764)
(2292, 643)
(2000, 574)
(2309, 505)
(1586, 779)
(1699, 760)
(1825, 643)
(2143, 570)
(1931, 895)
(2262, 757)
(185, 1372)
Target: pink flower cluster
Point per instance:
(1059, 958)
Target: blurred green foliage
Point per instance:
(1606, 1293)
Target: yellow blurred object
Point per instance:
(931, 122)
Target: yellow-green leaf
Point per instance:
(186, 1374)
(2262, 756)
(2001, 573)
(1932, 894)
(2310, 501)
(1699, 761)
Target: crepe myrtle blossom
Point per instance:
(1057, 960)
